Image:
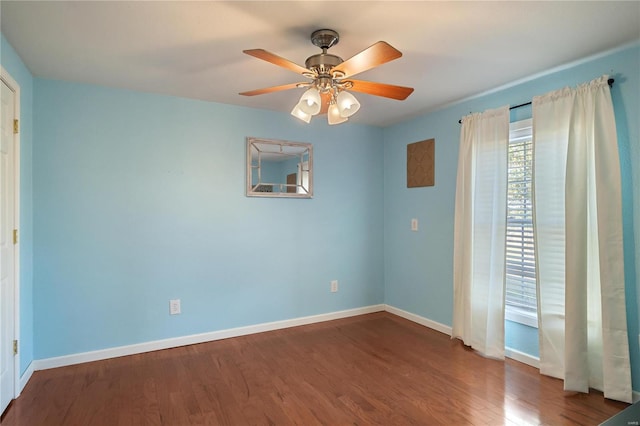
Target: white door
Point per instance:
(7, 248)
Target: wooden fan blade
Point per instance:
(380, 89)
(371, 57)
(270, 89)
(326, 98)
(277, 60)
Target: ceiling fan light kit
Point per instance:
(298, 113)
(310, 101)
(347, 104)
(327, 92)
(334, 116)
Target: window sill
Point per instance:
(521, 316)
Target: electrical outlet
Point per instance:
(174, 306)
(334, 286)
(414, 224)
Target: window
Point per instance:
(302, 177)
(520, 291)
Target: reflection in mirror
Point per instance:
(279, 168)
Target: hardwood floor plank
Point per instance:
(372, 369)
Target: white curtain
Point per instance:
(578, 231)
(480, 232)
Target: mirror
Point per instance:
(279, 169)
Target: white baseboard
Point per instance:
(420, 320)
(25, 378)
(43, 364)
(522, 357)
(508, 352)
(61, 361)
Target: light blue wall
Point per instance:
(139, 199)
(419, 265)
(522, 338)
(12, 63)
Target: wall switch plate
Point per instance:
(174, 306)
(334, 286)
(414, 224)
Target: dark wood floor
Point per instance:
(375, 369)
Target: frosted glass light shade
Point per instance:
(333, 115)
(310, 101)
(347, 104)
(298, 113)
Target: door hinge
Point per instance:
(16, 126)
(15, 236)
(15, 347)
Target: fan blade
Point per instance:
(270, 89)
(380, 89)
(371, 57)
(326, 98)
(277, 60)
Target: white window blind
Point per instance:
(520, 291)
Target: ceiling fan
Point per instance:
(331, 78)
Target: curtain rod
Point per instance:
(610, 82)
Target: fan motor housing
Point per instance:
(322, 63)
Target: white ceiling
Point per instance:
(451, 50)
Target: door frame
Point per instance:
(15, 87)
